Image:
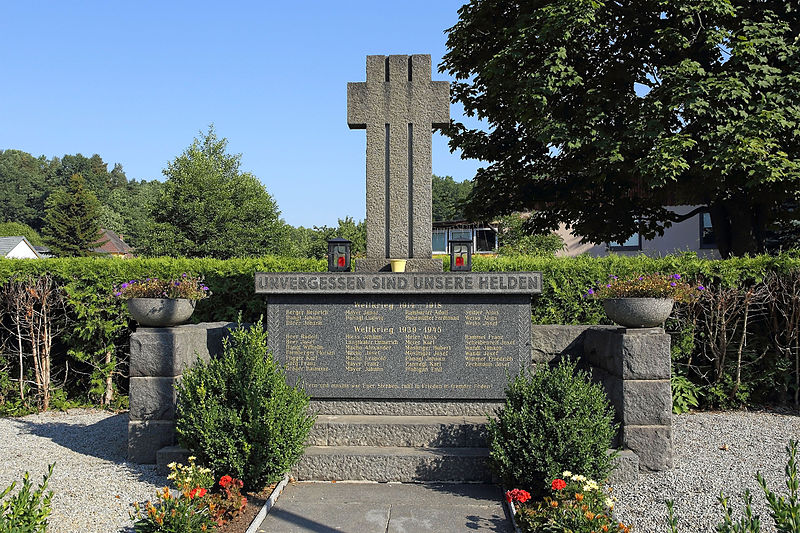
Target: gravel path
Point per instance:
(714, 451)
(94, 485)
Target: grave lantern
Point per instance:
(460, 256)
(339, 255)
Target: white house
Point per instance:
(692, 235)
(17, 248)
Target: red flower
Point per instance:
(517, 495)
(224, 481)
(558, 484)
(198, 492)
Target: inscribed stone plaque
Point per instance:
(435, 346)
(326, 283)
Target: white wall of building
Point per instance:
(681, 237)
(22, 251)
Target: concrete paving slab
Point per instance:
(387, 507)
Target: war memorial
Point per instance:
(404, 367)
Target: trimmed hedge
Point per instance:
(99, 319)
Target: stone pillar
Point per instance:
(158, 357)
(634, 366)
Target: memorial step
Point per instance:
(401, 431)
(393, 463)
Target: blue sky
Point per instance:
(136, 81)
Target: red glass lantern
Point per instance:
(460, 256)
(339, 255)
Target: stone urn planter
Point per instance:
(160, 312)
(638, 312)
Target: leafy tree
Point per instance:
(94, 171)
(313, 242)
(516, 240)
(208, 208)
(72, 222)
(23, 187)
(600, 113)
(127, 210)
(13, 229)
(449, 197)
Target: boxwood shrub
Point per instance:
(99, 322)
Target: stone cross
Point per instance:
(398, 106)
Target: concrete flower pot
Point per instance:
(160, 312)
(638, 312)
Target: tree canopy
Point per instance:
(449, 197)
(209, 208)
(600, 113)
(72, 222)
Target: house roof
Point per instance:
(9, 243)
(114, 245)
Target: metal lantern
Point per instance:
(460, 256)
(339, 255)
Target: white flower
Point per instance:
(590, 485)
(579, 478)
(610, 503)
(567, 474)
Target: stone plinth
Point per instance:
(158, 357)
(634, 367)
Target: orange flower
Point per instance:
(605, 528)
(553, 503)
(579, 496)
(589, 515)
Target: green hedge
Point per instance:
(99, 320)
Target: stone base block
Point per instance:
(652, 444)
(146, 438)
(626, 468)
(646, 402)
(642, 353)
(384, 464)
(368, 264)
(171, 454)
(549, 342)
(152, 398)
(407, 431)
(167, 351)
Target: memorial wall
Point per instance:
(388, 336)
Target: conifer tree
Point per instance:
(72, 222)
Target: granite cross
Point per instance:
(398, 105)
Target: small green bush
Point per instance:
(554, 419)
(238, 414)
(27, 510)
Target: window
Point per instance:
(634, 242)
(440, 241)
(707, 239)
(485, 240)
(460, 235)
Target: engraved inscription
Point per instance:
(419, 346)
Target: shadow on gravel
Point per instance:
(106, 439)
